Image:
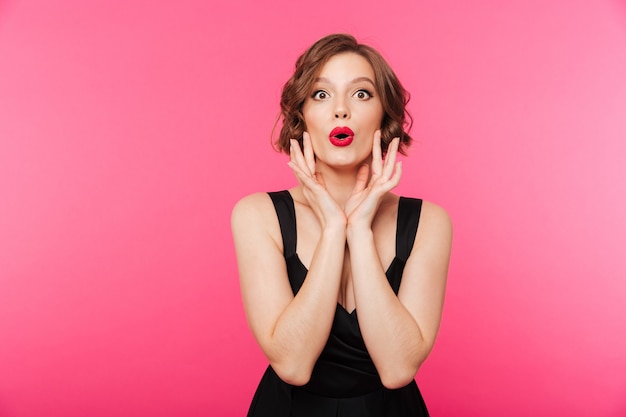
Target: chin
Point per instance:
(346, 162)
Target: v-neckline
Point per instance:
(341, 307)
(393, 261)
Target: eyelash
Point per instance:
(369, 95)
(317, 92)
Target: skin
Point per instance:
(346, 238)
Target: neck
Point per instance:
(339, 182)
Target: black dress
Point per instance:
(344, 381)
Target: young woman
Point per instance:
(342, 290)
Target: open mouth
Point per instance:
(341, 136)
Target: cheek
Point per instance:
(306, 114)
(376, 121)
(381, 116)
(313, 123)
(309, 118)
(376, 116)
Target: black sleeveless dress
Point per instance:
(344, 381)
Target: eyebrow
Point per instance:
(355, 81)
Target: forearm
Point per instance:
(301, 331)
(391, 334)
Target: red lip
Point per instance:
(341, 136)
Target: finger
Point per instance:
(309, 156)
(296, 169)
(395, 179)
(390, 158)
(391, 183)
(377, 155)
(296, 156)
(362, 177)
(303, 178)
(296, 161)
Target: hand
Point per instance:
(367, 195)
(314, 189)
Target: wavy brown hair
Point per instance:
(396, 119)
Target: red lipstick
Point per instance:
(341, 136)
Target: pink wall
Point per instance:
(129, 129)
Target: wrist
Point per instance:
(336, 229)
(358, 231)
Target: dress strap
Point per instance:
(409, 210)
(286, 212)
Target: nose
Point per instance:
(341, 110)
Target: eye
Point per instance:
(363, 94)
(320, 95)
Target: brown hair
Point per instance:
(298, 88)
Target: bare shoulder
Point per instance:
(435, 222)
(435, 214)
(256, 204)
(255, 214)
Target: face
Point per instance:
(343, 111)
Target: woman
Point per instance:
(355, 248)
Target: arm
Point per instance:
(400, 331)
(292, 331)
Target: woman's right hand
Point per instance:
(328, 212)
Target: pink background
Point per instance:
(129, 129)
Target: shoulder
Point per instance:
(254, 212)
(252, 205)
(255, 224)
(435, 223)
(436, 214)
(429, 211)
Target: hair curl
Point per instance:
(396, 119)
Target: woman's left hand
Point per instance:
(368, 191)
